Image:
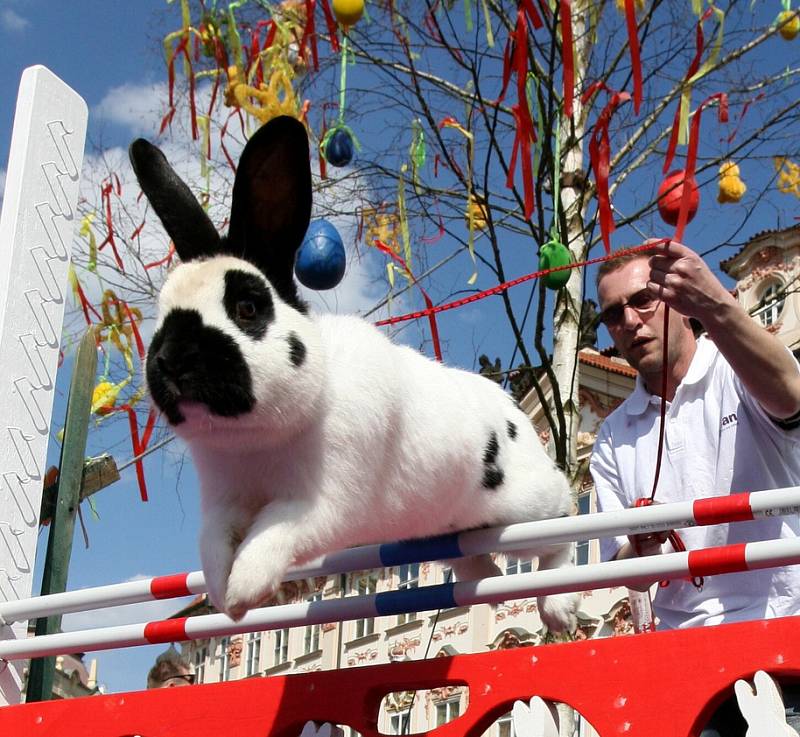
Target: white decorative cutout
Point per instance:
(762, 707)
(537, 719)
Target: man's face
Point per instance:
(637, 329)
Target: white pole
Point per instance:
(645, 570)
(675, 515)
(36, 226)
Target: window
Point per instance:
(400, 723)
(582, 548)
(253, 657)
(518, 565)
(446, 711)
(200, 656)
(505, 726)
(224, 659)
(408, 578)
(281, 646)
(770, 305)
(311, 642)
(365, 585)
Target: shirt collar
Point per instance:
(639, 400)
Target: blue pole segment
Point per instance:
(440, 547)
(416, 600)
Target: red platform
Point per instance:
(663, 684)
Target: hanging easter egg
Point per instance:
(731, 186)
(551, 255)
(789, 22)
(348, 12)
(339, 148)
(669, 197)
(320, 261)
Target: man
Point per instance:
(732, 424)
(170, 669)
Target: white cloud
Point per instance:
(2, 183)
(138, 107)
(12, 21)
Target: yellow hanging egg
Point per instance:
(104, 397)
(789, 22)
(731, 186)
(348, 12)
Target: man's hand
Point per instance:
(679, 277)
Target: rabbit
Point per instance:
(315, 433)
(762, 707)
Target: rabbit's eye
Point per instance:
(245, 309)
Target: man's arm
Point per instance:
(683, 280)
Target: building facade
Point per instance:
(767, 273)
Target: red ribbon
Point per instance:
(515, 58)
(636, 62)
(437, 349)
(600, 155)
(674, 540)
(515, 282)
(568, 73)
(181, 48)
(106, 189)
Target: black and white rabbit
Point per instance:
(315, 433)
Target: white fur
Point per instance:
(367, 441)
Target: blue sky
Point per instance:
(110, 53)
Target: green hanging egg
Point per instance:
(551, 255)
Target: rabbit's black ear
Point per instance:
(271, 205)
(183, 218)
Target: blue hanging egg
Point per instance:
(339, 149)
(320, 261)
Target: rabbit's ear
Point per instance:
(271, 205)
(183, 218)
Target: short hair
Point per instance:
(170, 664)
(608, 267)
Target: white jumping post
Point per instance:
(36, 226)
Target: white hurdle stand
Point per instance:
(36, 226)
(636, 571)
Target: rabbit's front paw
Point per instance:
(559, 612)
(250, 585)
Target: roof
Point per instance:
(609, 364)
(724, 265)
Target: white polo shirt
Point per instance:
(718, 440)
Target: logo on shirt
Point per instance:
(728, 420)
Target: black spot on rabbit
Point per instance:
(175, 371)
(248, 303)
(297, 350)
(511, 428)
(493, 476)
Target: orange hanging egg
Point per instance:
(669, 197)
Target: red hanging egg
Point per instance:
(669, 197)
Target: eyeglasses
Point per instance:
(187, 677)
(643, 302)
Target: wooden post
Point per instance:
(62, 528)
